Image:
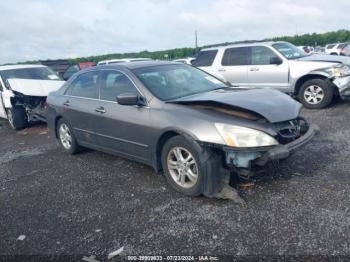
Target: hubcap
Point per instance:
(182, 167)
(65, 136)
(314, 94)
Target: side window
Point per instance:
(205, 58)
(235, 56)
(1, 88)
(84, 85)
(115, 83)
(261, 55)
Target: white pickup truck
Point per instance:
(23, 92)
(314, 79)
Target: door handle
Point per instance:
(100, 110)
(67, 103)
(254, 69)
(222, 70)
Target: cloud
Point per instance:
(40, 29)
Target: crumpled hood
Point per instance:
(273, 105)
(34, 87)
(326, 58)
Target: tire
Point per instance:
(316, 94)
(17, 117)
(66, 137)
(205, 178)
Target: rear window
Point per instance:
(205, 58)
(342, 45)
(236, 56)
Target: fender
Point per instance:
(6, 98)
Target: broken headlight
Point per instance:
(339, 70)
(237, 136)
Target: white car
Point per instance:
(334, 49)
(23, 92)
(314, 79)
(124, 60)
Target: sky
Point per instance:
(51, 29)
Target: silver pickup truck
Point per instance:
(314, 79)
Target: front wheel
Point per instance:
(191, 169)
(316, 94)
(17, 117)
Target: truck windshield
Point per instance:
(175, 81)
(289, 51)
(37, 73)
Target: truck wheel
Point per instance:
(316, 94)
(17, 117)
(189, 169)
(66, 137)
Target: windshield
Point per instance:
(289, 51)
(174, 81)
(39, 73)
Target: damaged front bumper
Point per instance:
(243, 160)
(343, 84)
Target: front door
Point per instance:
(121, 128)
(264, 71)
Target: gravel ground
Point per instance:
(93, 203)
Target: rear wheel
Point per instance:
(66, 137)
(17, 117)
(316, 94)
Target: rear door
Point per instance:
(80, 103)
(264, 72)
(234, 65)
(123, 129)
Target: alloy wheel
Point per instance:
(65, 136)
(182, 167)
(314, 94)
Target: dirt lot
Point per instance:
(94, 203)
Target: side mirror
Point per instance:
(275, 60)
(129, 99)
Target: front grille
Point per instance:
(291, 130)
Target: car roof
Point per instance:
(267, 43)
(124, 60)
(135, 65)
(10, 67)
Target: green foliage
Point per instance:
(313, 39)
(160, 55)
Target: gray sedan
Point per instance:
(177, 119)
